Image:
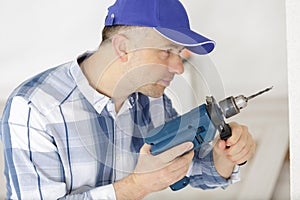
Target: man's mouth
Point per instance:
(165, 82)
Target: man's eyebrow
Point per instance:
(181, 48)
(174, 46)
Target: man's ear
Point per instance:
(119, 42)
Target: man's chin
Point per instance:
(153, 90)
(155, 95)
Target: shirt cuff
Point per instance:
(106, 192)
(205, 175)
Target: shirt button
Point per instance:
(131, 99)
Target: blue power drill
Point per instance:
(198, 126)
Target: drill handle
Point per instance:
(225, 133)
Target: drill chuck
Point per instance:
(232, 105)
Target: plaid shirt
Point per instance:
(62, 139)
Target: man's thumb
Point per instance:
(222, 145)
(146, 148)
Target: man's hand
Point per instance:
(241, 148)
(155, 173)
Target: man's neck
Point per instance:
(101, 71)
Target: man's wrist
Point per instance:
(128, 188)
(222, 165)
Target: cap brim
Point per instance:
(188, 38)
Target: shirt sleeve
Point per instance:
(205, 176)
(33, 167)
(104, 192)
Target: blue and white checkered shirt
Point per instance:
(62, 139)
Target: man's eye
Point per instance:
(167, 52)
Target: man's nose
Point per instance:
(175, 64)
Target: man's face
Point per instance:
(152, 65)
(161, 65)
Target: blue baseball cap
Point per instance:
(167, 17)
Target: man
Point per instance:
(76, 131)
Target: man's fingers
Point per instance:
(178, 168)
(150, 163)
(242, 144)
(244, 155)
(182, 161)
(243, 149)
(174, 152)
(236, 131)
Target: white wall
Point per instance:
(293, 32)
(36, 35)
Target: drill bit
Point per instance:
(232, 105)
(258, 93)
